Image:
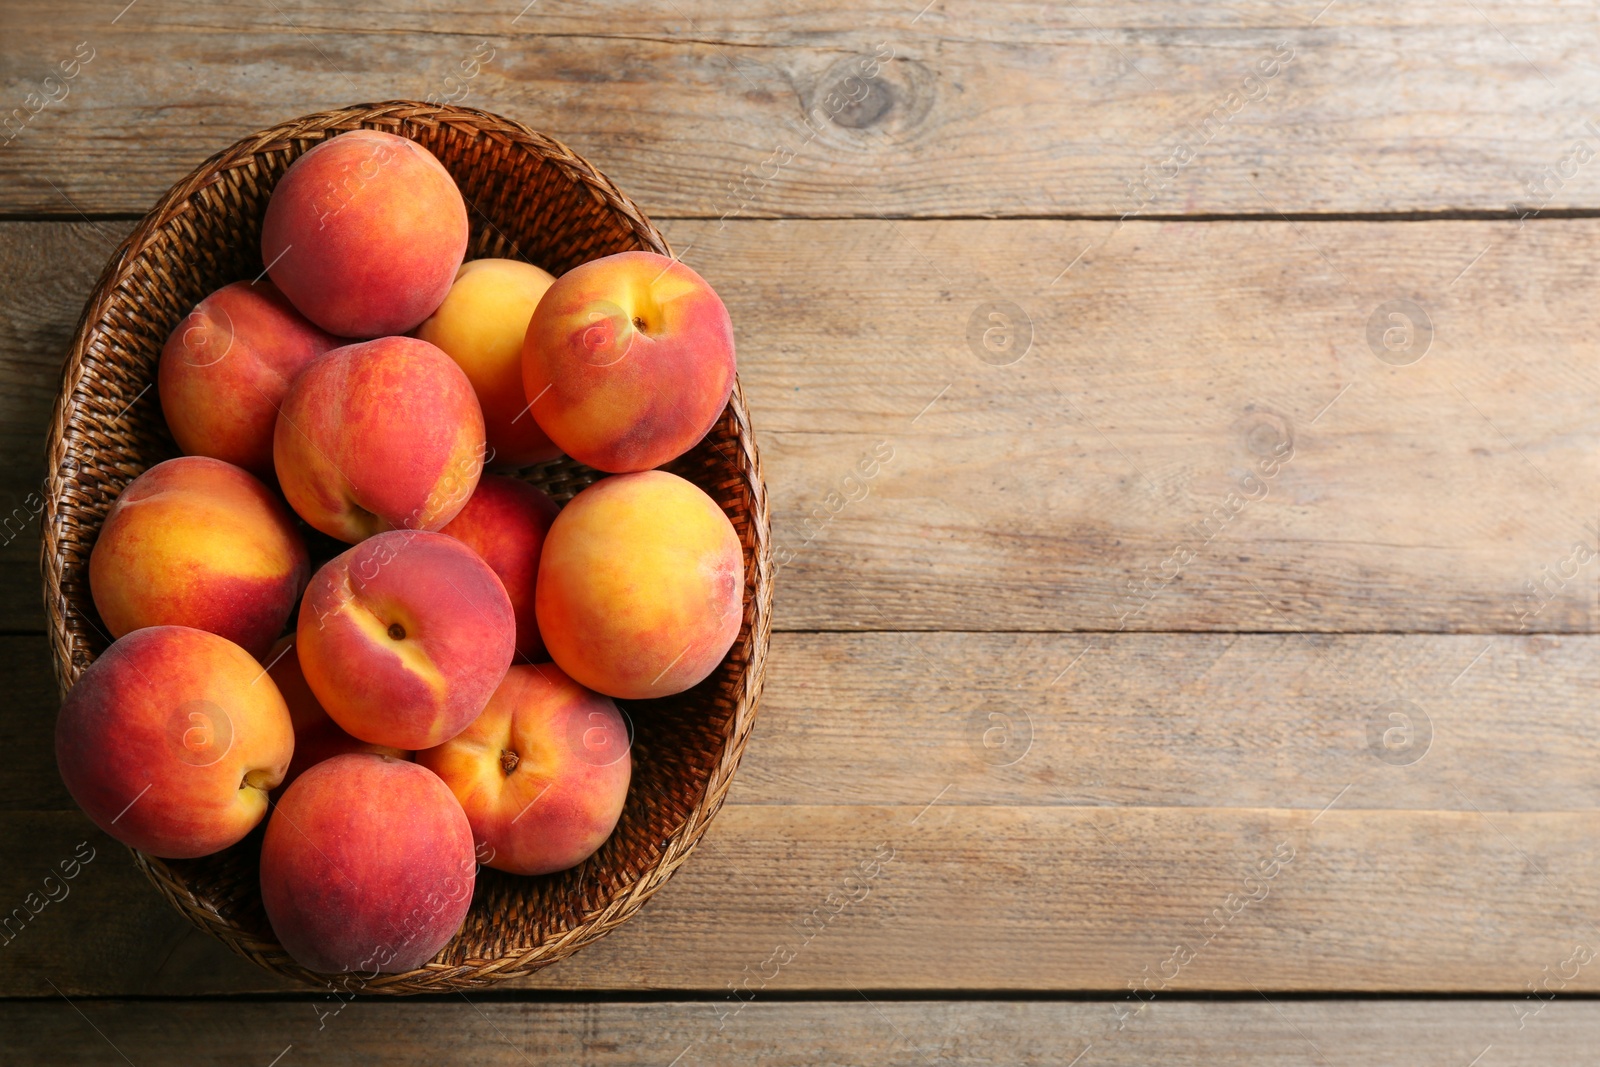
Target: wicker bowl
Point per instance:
(529, 198)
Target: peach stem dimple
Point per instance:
(508, 760)
(397, 631)
(259, 778)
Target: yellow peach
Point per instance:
(198, 542)
(481, 325)
(640, 587)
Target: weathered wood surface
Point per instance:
(1278, 722)
(1060, 837)
(46, 274)
(1134, 441)
(853, 1030)
(970, 898)
(984, 109)
(1368, 671)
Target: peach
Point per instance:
(367, 866)
(376, 436)
(542, 773)
(505, 522)
(198, 542)
(226, 367)
(628, 361)
(640, 588)
(316, 736)
(171, 740)
(364, 234)
(481, 325)
(404, 637)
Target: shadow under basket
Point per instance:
(529, 198)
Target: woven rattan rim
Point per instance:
(90, 458)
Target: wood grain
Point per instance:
(1166, 368)
(841, 1032)
(46, 272)
(1053, 837)
(29, 780)
(1143, 720)
(1056, 789)
(985, 109)
(953, 896)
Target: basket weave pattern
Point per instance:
(528, 198)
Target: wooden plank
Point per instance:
(29, 780)
(1180, 720)
(935, 896)
(1076, 832)
(1145, 720)
(1152, 778)
(1135, 442)
(1388, 1033)
(46, 272)
(984, 109)
(1426, 497)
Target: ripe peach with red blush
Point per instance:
(364, 234)
(542, 773)
(628, 361)
(404, 637)
(171, 740)
(226, 368)
(382, 435)
(505, 522)
(316, 736)
(367, 866)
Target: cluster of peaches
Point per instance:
(446, 695)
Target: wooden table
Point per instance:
(1207, 673)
